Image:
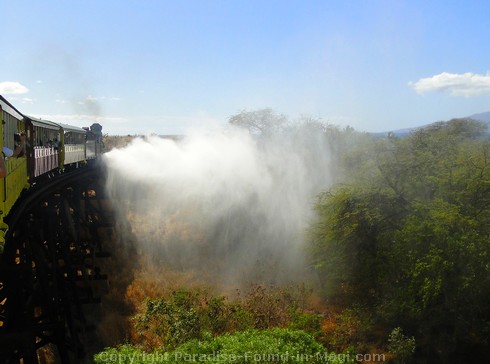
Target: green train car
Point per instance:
(16, 178)
(49, 148)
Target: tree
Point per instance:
(409, 237)
(259, 122)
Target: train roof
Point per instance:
(52, 125)
(43, 123)
(8, 107)
(72, 128)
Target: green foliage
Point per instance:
(307, 322)
(348, 329)
(345, 243)
(257, 346)
(271, 307)
(174, 320)
(259, 122)
(401, 346)
(408, 237)
(221, 316)
(184, 315)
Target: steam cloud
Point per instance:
(225, 204)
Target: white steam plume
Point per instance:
(222, 203)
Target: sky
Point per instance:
(164, 66)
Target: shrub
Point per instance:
(170, 322)
(188, 314)
(256, 346)
(401, 346)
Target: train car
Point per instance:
(43, 138)
(46, 241)
(49, 147)
(90, 145)
(14, 172)
(73, 145)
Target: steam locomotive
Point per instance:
(48, 148)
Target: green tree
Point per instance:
(260, 122)
(409, 237)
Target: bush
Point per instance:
(251, 346)
(170, 322)
(310, 323)
(401, 346)
(348, 329)
(184, 315)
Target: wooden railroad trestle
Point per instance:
(49, 267)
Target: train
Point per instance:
(35, 150)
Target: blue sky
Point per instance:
(163, 66)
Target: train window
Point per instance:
(45, 137)
(9, 129)
(74, 138)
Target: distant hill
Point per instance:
(406, 131)
(399, 132)
(484, 116)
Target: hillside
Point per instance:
(484, 116)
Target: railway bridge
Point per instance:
(50, 268)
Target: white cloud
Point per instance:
(464, 84)
(27, 100)
(11, 88)
(23, 100)
(91, 98)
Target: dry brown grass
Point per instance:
(116, 141)
(136, 276)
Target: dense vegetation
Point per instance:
(407, 239)
(268, 324)
(400, 251)
(257, 346)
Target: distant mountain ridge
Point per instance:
(484, 116)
